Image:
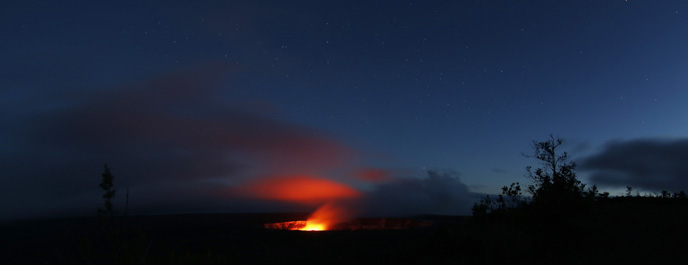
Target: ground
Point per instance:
(615, 232)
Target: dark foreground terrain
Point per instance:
(612, 232)
(202, 239)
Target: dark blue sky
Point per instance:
(188, 102)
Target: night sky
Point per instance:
(225, 106)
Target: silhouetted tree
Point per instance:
(554, 184)
(107, 185)
(555, 188)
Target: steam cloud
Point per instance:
(438, 193)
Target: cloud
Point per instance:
(653, 164)
(437, 193)
(171, 131)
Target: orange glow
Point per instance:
(303, 189)
(325, 217)
(357, 224)
(313, 227)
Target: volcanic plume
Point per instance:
(325, 217)
(307, 190)
(339, 203)
(300, 189)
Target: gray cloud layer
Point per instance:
(652, 164)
